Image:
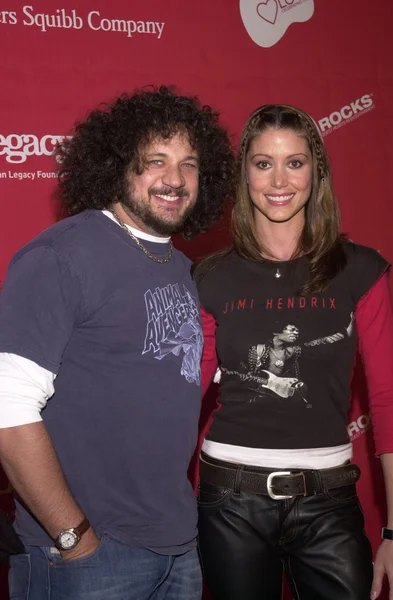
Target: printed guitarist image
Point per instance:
(274, 366)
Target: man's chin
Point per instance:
(160, 222)
(167, 227)
(170, 223)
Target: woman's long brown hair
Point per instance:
(321, 235)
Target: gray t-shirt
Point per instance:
(123, 335)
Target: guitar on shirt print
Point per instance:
(285, 387)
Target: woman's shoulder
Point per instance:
(364, 266)
(354, 251)
(211, 274)
(363, 257)
(208, 269)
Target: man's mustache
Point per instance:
(181, 192)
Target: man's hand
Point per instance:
(383, 565)
(88, 544)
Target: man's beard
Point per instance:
(143, 212)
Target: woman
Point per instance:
(286, 307)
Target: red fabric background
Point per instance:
(335, 64)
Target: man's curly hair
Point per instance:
(95, 162)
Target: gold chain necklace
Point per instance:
(140, 245)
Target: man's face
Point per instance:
(160, 199)
(290, 334)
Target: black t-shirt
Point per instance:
(286, 359)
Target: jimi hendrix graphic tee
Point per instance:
(286, 359)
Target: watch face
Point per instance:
(67, 540)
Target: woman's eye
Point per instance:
(262, 164)
(295, 164)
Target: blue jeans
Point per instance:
(113, 572)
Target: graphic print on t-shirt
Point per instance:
(173, 326)
(273, 367)
(248, 307)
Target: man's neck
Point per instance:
(135, 223)
(278, 344)
(138, 233)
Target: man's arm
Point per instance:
(27, 453)
(30, 462)
(40, 304)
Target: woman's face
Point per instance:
(279, 173)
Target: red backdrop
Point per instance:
(332, 59)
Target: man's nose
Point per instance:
(173, 177)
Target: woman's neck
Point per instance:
(278, 240)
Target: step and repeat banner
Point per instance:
(331, 58)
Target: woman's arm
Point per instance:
(374, 322)
(209, 356)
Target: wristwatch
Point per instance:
(387, 534)
(69, 538)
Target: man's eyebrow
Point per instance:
(165, 155)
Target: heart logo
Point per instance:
(273, 18)
(267, 10)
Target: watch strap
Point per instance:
(82, 527)
(387, 534)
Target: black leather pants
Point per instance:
(247, 540)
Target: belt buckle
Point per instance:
(269, 485)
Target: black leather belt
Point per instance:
(278, 485)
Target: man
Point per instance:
(281, 351)
(99, 314)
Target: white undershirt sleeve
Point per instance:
(25, 388)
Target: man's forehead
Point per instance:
(178, 141)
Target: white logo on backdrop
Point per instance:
(346, 114)
(267, 20)
(69, 19)
(16, 150)
(357, 428)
